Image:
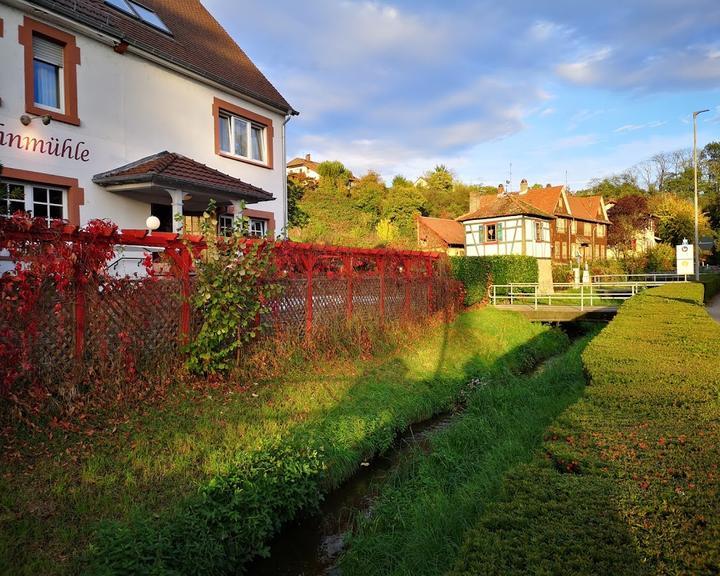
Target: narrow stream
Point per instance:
(310, 545)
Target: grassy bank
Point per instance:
(628, 479)
(423, 513)
(198, 483)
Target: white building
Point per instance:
(306, 167)
(121, 109)
(505, 225)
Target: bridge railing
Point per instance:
(652, 277)
(596, 293)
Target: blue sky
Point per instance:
(587, 87)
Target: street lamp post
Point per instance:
(697, 237)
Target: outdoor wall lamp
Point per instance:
(152, 223)
(25, 119)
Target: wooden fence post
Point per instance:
(309, 263)
(79, 317)
(429, 273)
(381, 268)
(348, 266)
(407, 277)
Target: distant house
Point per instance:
(305, 166)
(547, 223)
(441, 234)
(421, 183)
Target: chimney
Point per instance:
(307, 157)
(474, 200)
(501, 190)
(548, 185)
(523, 186)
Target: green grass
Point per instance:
(628, 481)
(184, 486)
(423, 513)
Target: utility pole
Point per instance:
(697, 217)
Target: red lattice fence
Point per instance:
(136, 323)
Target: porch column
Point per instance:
(177, 209)
(238, 206)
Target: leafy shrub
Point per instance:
(661, 258)
(712, 285)
(479, 273)
(233, 287)
(562, 273)
(605, 267)
(225, 525)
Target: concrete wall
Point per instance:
(129, 108)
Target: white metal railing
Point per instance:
(583, 294)
(653, 277)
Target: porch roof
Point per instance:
(171, 170)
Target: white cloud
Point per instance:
(633, 127)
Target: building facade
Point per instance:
(546, 223)
(120, 109)
(440, 234)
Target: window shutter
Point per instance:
(47, 51)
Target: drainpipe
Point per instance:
(285, 205)
(284, 164)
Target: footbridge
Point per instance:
(596, 301)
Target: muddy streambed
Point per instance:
(311, 545)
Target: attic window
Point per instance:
(140, 12)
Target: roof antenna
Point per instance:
(509, 180)
(565, 179)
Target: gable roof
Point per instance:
(587, 208)
(171, 169)
(296, 162)
(198, 42)
(546, 199)
(493, 206)
(449, 231)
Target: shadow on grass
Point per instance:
(233, 515)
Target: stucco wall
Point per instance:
(129, 108)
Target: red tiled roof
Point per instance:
(492, 206)
(587, 208)
(170, 169)
(295, 162)
(546, 199)
(198, 42)
(449, 231)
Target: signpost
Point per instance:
(684, 257)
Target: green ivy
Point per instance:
(478, 273)
(231, 293)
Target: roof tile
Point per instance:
(198, 42)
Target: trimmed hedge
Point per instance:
(628, 482)
(712, 285)
(479, 273)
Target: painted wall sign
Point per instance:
(67, 148)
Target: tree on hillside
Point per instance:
(676, 219)
(613, 187)
(629, 215)
(401, 181)
(368, 193)
(297, 217)
(401, 206)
